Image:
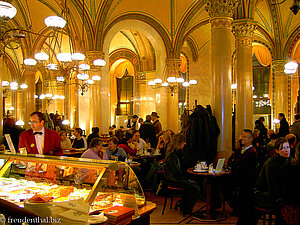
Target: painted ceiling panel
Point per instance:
(120, 41)
(181, 9)
(263, 17)
(201, 36)
(158, 9)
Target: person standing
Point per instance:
(147, 131)
(156, 123)
(94, 134)
(38, 139)
(295, 128)
(132, 123)
(284, 126)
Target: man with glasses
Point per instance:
(38, 139)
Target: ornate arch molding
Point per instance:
(268, 38)
(264, 44)
(193, 47)
(124, 53)
(144, 18)
(292, 42)
(12, 66)
(196, 26)
(181, 33)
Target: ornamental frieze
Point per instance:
(218, 23)
(243, 29)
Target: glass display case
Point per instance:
(100, 183)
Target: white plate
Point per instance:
(94, 219)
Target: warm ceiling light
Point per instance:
(157, 80)
(233, 86)
(96, 78)
(7, 10)
(89, 81)
(64, 57)
(254, 96)
(52, 66)
(185, 84)
(48, 95)
(20, 123)
(171, 79)
(5, 83)
(35, 96)
(11, 108)
(30, 62)
(84, 67)
(82, 76)
(193, 82)
(14, 84)
(42, 96)
(55, 97)
(14, 88)
(55, 22)
(78, 56)
(291, 65)
(23, 86)
(99, 62)
(61, 97)
(180, 80)
(165, 84)
(41, 56)
(151, 83)
(60, 79)
(65, 122)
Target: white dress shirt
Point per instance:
(39, 140)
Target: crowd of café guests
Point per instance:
(264, 166)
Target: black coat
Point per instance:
(284, 128)
(147, 130)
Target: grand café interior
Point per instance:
(136, 57)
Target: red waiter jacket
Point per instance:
(52, 143)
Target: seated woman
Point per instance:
(79, 142)
(274, 181)
(65, 141)
(176, 176)
(113, 152)
(163, 142)
(96, 150)
(125, 144)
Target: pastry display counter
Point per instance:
(43, 178)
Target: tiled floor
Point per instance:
(172, 216)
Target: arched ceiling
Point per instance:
(175, 20)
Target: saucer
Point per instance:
(201, 171)
(94, 219)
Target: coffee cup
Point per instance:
(198, 167)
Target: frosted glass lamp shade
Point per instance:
(84, 67)
(171, 79)
(7, 10)
(23, 86)
(96, 78)
(185, 84)
(82, 76)
(78, 56)
(41, 56)
(99, 62)
(5, 83)
(55, 22)
(64, 57)
(30, 62)
(157, 80)
(193, 82)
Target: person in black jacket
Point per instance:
(94, 134)
(284, 126)
(176, 176)
(147, 131)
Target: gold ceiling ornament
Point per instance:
(243, 28)
(221, 8)
(172, 78)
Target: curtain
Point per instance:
(122, 67)
(183, 65)
(263, 55)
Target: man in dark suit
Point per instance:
(284, 126)
(40, 140)
(147, 131)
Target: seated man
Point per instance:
(113, 152)
(139, 142)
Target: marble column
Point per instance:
(243, 31)
(1, 100)
(99, 97)
(281, 86)
(67, 100)
(220, 13)
(29, 107)
(172, 96)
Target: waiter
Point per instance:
(40, 140)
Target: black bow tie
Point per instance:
(37, 133)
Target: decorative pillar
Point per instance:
(281, 89)
(243, 31)
(100, 104)
(29, 106)
(1, 99)
(67, 100)
(220, 13)
(172, 97)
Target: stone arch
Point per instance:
(292, 42)
(124, 53)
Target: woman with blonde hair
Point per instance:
(176, 176)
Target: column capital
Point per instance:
(278, 67)
(221, 8)
(92, 55)
(173, 65)
(243, 28)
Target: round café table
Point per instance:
(208, 214)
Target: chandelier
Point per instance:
(173, 79)
(290, 68)
(63, 64)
